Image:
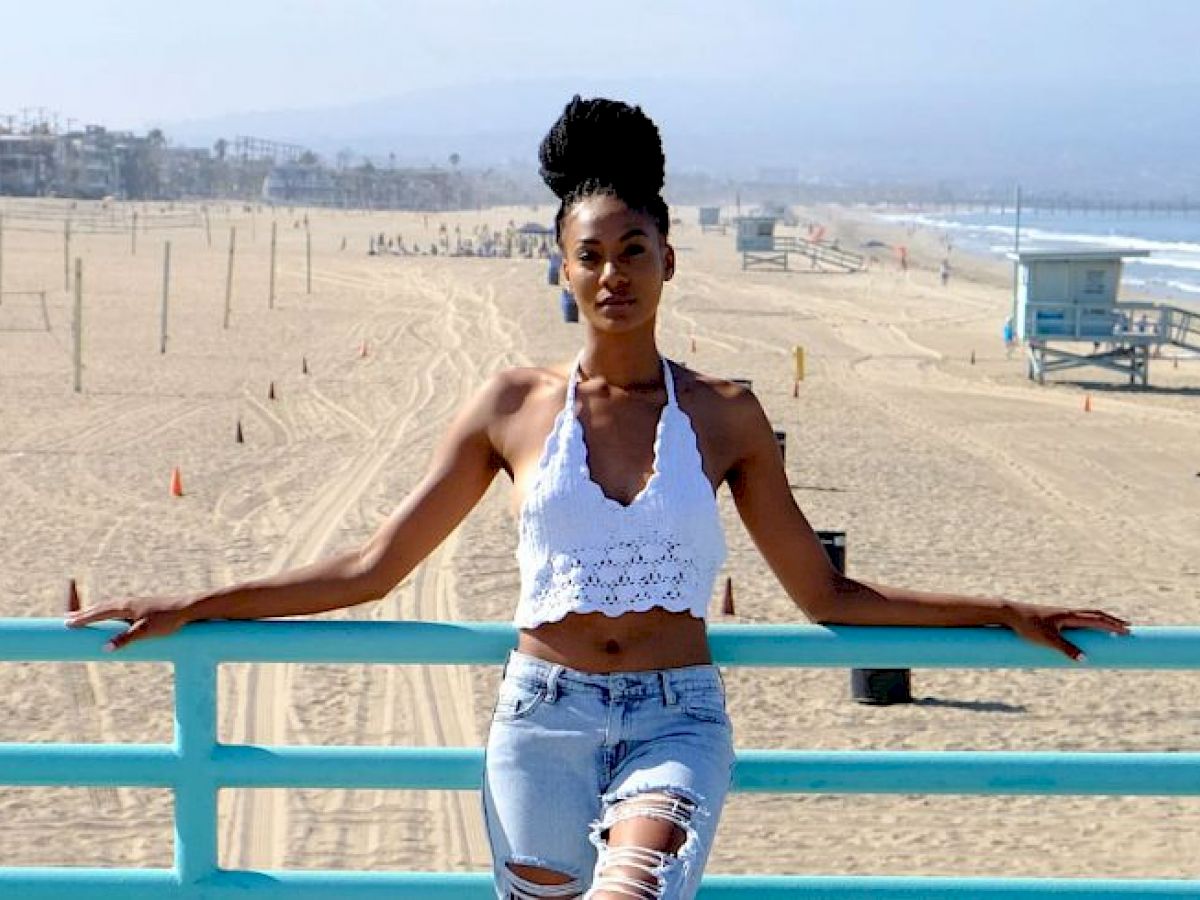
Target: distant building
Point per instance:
(89, 164)
(308, 184)
(27, 164)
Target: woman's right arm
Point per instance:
(462, 468)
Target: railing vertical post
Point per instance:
(195, 784)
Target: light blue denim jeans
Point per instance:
(571, 754)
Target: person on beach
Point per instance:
(610, 752)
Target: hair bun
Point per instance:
(602, 142)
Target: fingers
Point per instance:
(1092, 618)
(1109, 622)
(96, 614)
(1095, 619)
(1046, 632)
(139, 629)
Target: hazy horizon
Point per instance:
(1075, 91)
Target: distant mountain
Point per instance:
(1079, 137)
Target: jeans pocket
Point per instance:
(705, 706)
(517, 700)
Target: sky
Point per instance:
(139, 63)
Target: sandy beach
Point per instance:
(946, 473)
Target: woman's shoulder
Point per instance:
(712, 396)
(511, 389)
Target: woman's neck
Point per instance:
(631, 361)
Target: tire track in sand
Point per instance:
(257, 828)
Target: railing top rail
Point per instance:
(449, 643)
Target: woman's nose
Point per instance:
(611, 274)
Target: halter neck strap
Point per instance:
(573, 381)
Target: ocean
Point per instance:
(1171, 272)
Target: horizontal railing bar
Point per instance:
(43, 883)
(757, 771)
(89, 765)
(456, 643)
(967, 772)
(157, 884)
(413, 768)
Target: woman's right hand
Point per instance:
(147, 617)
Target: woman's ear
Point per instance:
(668, 263)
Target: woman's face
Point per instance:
(616, 261)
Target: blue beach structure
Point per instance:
(1068, 298)
(196, 765)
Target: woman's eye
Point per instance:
(634, 250)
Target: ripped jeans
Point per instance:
(571, 755)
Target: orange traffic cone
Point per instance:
(727, 600)
(271, 391)
(176, 483)
(73, 603)
(1087, 403)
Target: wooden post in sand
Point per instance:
(133, 236)
(207, 227)
(67, 255)
(271, 282)
(77, 326)
(229, 274)
(162, 331)
(308, 260)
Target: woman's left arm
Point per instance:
(794, 553)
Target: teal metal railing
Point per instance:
(197, 765)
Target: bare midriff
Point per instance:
(633, 642)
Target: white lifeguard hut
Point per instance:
(1065, 298)
(710, 219)
(762, 248)
(756, 243)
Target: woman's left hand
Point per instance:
(1044, 624)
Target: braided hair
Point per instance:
(603, 146)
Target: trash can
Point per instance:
(570, 310)
(876, 687)
(552, 271)
(881, 687)
(781, 443)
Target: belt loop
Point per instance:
(668, 691)
(552, 683)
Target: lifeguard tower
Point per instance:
(1069, 297)
(762, 248)
(710, 219)
(756, 243)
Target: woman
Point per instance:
(610, 751)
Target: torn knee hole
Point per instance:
(631, 872)
(678, 811)
(628, 868)
(527, 882)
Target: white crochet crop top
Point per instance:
(581, 551)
